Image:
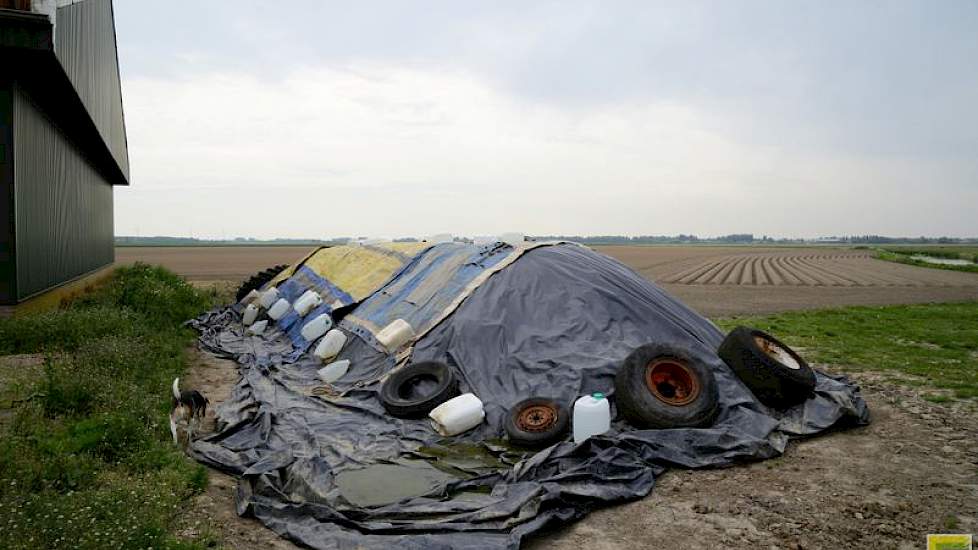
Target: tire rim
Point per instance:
(777, 352)
(537, 418)
(672, 382)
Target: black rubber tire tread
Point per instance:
(257, 281)
(772, 383)
(523, 438)
(642, 409)
(390, 392)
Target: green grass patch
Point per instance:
(933, 345)
(905, 255)
(87, 461)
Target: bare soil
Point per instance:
(725, 281)
(212, 263)
(912, 471)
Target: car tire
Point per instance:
(776, 375)
(257, 281)
(400, 400)
(660, 386)
(536, 422)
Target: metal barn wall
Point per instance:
(86, 47)
(63, 206)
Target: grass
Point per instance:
(87, 461)
(903, 255)
(932, 345)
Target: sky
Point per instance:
(390, 119)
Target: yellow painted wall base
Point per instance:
(58, 295)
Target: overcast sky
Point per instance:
(313, 119)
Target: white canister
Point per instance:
(249, 315)
(257, 328)
(252, 297)
(309, 300)
(268, 298)
(458, 414)
(278, 309)
(395, 334)
(592, 416)
(317, 327)
(331, 345)
(334, 371)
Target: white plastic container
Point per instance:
(279, 309)
(334, 371)
(309, 300)
(592, 416)
(257, 328)
(268, 298)
(395, 334)
(331, 345)
(317, 327)
(457, 415)
(249, 315)
(513, 239)
(252, 297)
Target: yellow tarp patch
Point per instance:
(948, 542)
(357, 270)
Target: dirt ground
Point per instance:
(724, 281)
(212, 263)
(912, 471)
(713, 280)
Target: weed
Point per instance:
(88, 463)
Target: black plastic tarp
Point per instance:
(558, 322)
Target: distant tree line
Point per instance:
(733, 238)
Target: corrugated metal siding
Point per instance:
(85, 44)
(63, 206)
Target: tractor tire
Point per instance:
(660, 386)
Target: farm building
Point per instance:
(62, 143)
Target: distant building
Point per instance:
(62, 143)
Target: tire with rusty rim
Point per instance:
(536, 422)
(661, 386)
(776, 375)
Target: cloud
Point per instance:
(382, 150)
(639, 118)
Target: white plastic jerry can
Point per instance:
(268, 298)
(395, 334)
(317, 327)
(309, 300)
(278, 309)
(250, 298)
(592, 416)
(458, 414)
(249, 315)
(331, 345)
(257, 328)
(334, 371)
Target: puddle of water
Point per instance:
(424, 470)
(942, 261)
(388, 483)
